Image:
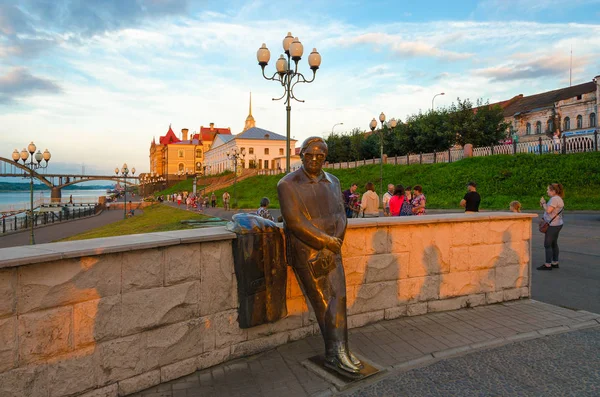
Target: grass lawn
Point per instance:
(500, 179)
(156, 218)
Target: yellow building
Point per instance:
(172, 156)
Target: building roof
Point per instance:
(523, 104)
(169, 137)
(259, 133)
(194, 141)
(208, 133)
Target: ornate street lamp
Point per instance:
(205, 169)
(373, 125)
(235, 155)
(124, 172)
(288, 77)
(30, 153)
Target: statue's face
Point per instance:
(314, 157)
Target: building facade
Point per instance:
(570, 111)
(173, 155)
(263, 149)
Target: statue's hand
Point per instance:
(334, 244)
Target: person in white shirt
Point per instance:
(553, 215)
(386, 199)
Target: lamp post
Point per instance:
(124, 172)
(235, 155)
(38, 157)
(432, 99)
(287, 77)
(335, 126)
(205, 169)
(373, 125)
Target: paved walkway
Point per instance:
(57, 231)
(396, 346)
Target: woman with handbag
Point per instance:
(552, 223)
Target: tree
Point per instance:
(461, 122)
(489, 124)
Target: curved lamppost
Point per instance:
(336, 124)
(38, 157)
(124, 172)
(288, 77)
(235, 155)
(441, 93)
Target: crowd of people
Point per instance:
(401, 201)
(196, 200)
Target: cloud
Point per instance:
(528, 7)
(407, 48)
(539, 67)
(88, 17)
(19, 82)
(36, 25)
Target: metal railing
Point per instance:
(44, 216)
(564, 145)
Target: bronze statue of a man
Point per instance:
(314, 219)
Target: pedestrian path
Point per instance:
(53, 232)
(399, 345)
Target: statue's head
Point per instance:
(313, 153)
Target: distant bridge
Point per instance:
(10, 168)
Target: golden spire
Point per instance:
(250, 123)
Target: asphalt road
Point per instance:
(576, 284)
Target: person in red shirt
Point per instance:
(397, 200)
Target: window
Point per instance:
(550, 125)
(538, 127)
(251, 150)
(592, 119)
(567, 123)
(252, 164)
(579, 122)
(528, 129)
(266, 152)
(181, 166)
(180, 153)
(198, 167)
(266, 164)
(281, 150)
(198, 152)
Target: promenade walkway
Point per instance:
(525, 348)
(57, 231)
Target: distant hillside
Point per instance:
(18, 187)
(500, 180)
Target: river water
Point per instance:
(20, 199)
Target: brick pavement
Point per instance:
(394, 345)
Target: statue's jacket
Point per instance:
(312, 210)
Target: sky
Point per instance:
(96, 81)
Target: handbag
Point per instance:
(543, 225)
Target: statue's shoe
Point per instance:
(355, 360)
(342, 364)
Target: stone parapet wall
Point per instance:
(113, 316)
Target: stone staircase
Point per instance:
(223, 182)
